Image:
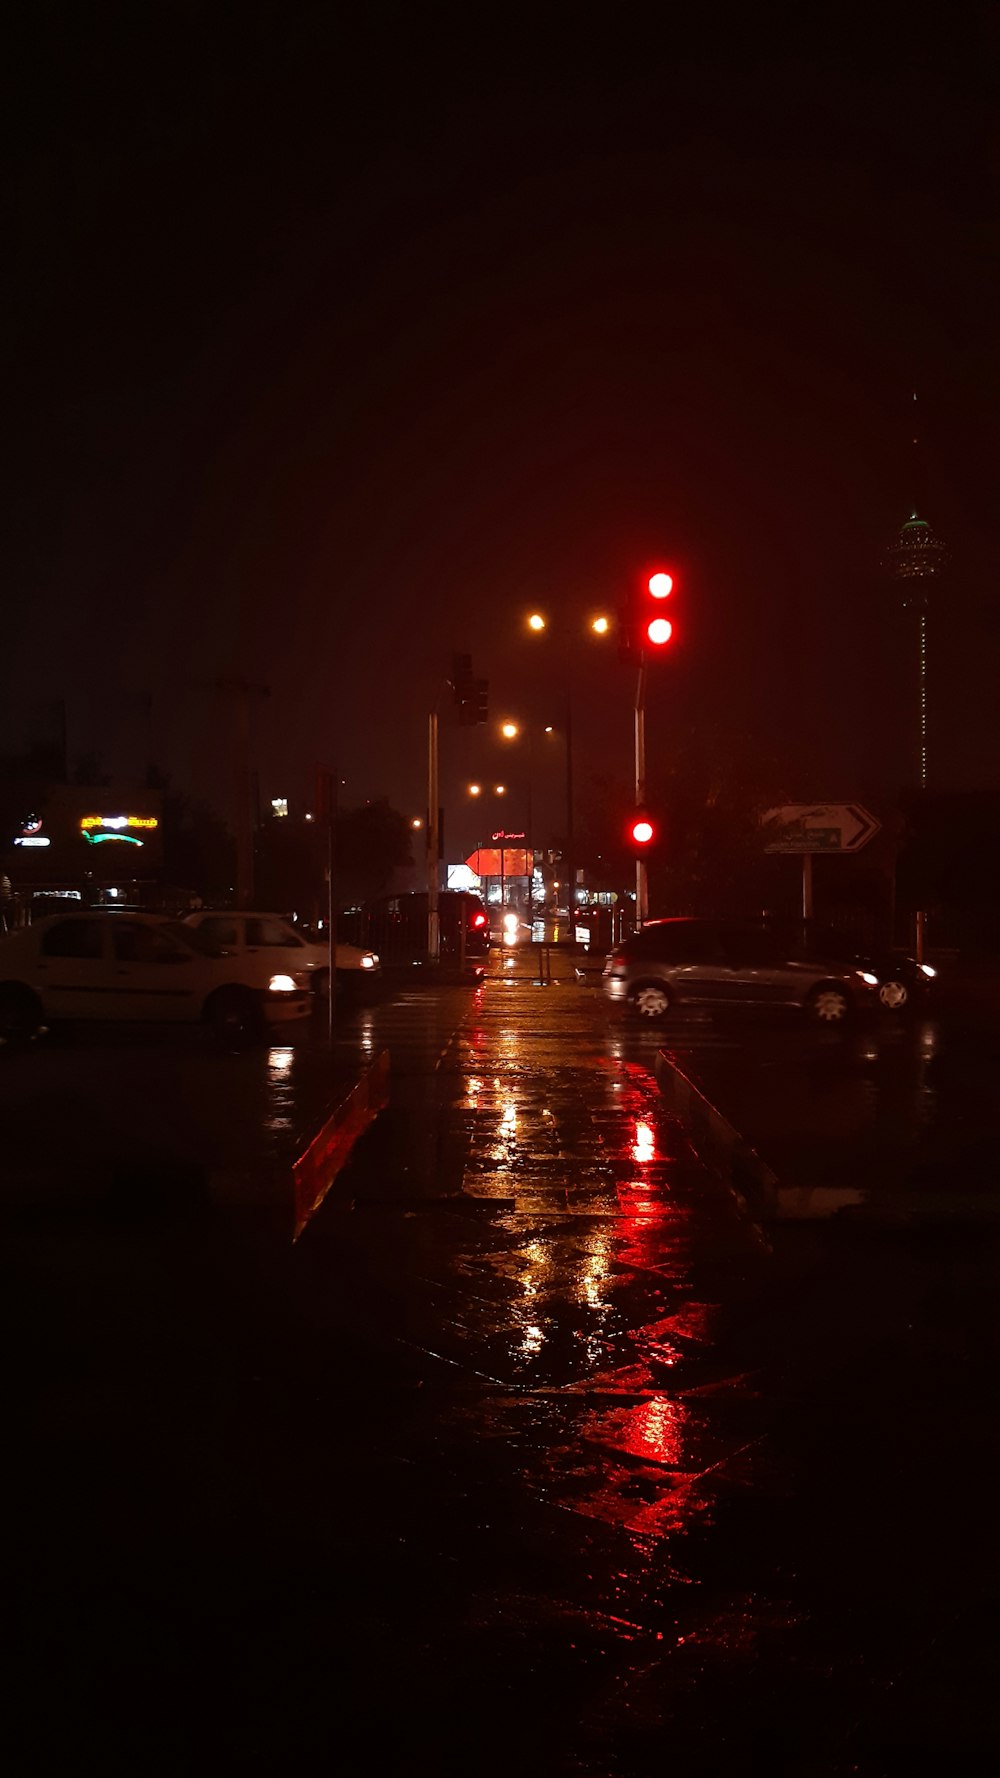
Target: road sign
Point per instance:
(819, 827)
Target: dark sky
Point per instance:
(334, 341)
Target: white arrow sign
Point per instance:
(819, 827)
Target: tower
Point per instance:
(916, 562)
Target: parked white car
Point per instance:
(125, 966)
(272, 937)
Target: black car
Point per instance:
(902, 981)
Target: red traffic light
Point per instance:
(660, 585)
(642, 833)
(659, 631)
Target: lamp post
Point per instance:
(600, 626)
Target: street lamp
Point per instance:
(416, 823)
(499, 790)
(475, 790)
(599, 626)
(509, 731)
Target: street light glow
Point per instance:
(500, 789)
(475, 790)
(660, 585)
(600, 626)
(536, 621)
(416, 822)
(549, 730)
(509, 731)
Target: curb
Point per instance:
(315, 1169)
(753, 1181)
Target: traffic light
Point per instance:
(645, 628)
(471, 695)
(641, 832)
(656, 628)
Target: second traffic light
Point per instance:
(471, 695)
(641, 833)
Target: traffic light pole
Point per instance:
(641, 879)
(433, 842)
(570, 838)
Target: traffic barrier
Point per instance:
(317, 1167)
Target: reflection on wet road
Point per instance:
(634, 1433)
(533, 1455)
(534, 1232)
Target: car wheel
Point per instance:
(234, 1016)
(829, 1005)
(894, 994)
(21, 1015)
(650, 1000)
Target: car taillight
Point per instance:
(478, 920)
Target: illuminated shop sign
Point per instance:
(96, 828)
(31, 833)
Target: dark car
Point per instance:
(396, 926)
(685, 962)
(902, 981)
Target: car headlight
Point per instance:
(867, 977)
(369, 960)
(283, 984)
(928, 970)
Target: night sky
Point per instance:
(336, 341)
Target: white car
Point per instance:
(117, 966)
(272, 937)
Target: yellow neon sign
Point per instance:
(116, 823)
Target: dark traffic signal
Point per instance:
(471, 695)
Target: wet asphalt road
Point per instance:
(534, 1453)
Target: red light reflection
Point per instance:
(644, 1147)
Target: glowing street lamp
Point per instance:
(509, 731)
(601, 626)
(500, 790)
(475, 790)
(416, 823)
(536, 621)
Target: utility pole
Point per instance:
(244, 694)
(641, 876)
(570, 838)
(433, 842)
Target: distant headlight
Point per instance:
(283, 984)
(866, 976)
(369, 960)
(927, 970)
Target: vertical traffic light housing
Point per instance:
(470, 694)
(644, 628)
(655, 626)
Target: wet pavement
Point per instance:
(535, 1453)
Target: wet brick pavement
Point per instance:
(534, 1454)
